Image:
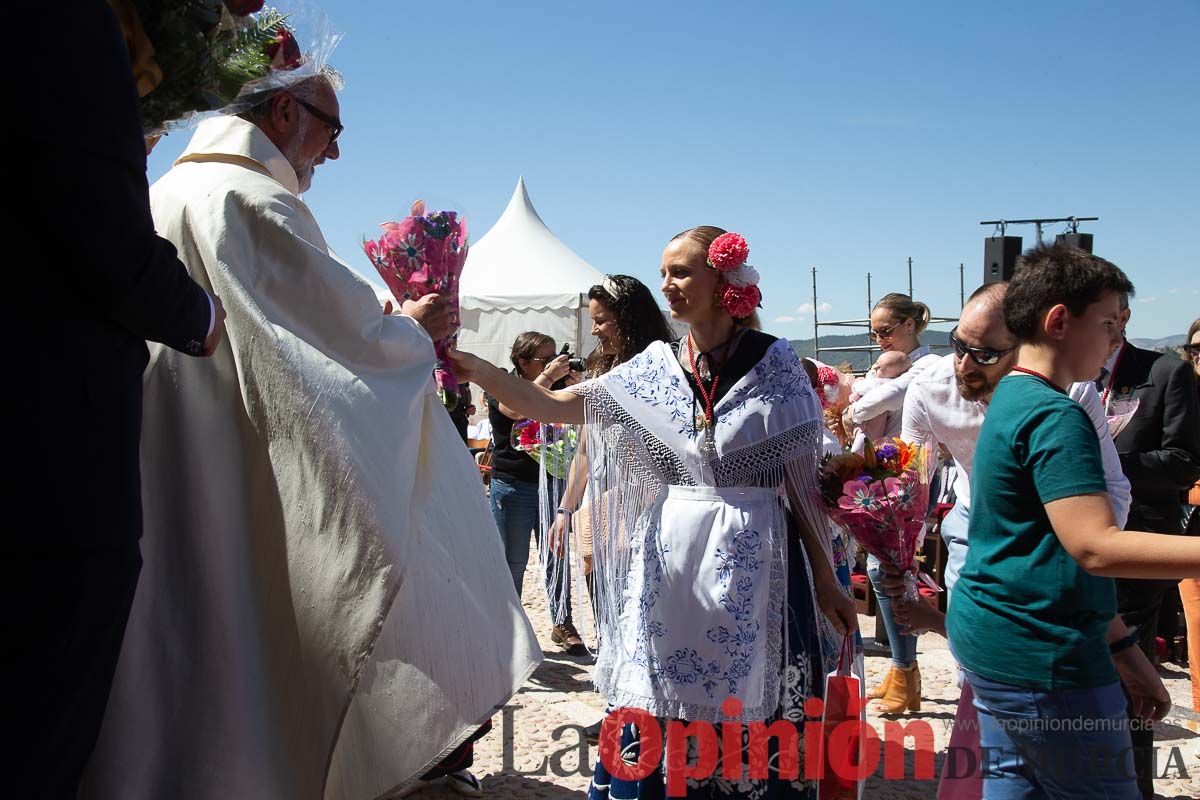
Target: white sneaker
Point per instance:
(463, 782)
(414, 787)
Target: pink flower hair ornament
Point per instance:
(728, 251)
(740, 301)
(829, 381)
(740, 295)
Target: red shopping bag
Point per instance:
(842, 728)
(961, 771)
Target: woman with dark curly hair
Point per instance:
(625, 321)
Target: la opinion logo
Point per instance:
(850, 749)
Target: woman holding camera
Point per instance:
(514, 484)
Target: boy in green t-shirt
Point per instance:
(1035, 596)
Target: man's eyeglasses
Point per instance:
(882, 333)
(335, 125)
(983, 356)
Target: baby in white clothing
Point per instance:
(888, 366)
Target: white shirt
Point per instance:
(890, 395)
(935, 412)
(867, 382)
(480, 430)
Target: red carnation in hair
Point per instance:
(728, 251)
(829, 380)
(740, 301)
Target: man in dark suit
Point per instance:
(1160, 455)
(93, 284)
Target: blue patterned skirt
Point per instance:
(802, 675)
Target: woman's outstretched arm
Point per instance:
(523, 396)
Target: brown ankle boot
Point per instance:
(881, 688)
(904, 691)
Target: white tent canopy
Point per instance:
(519, 277)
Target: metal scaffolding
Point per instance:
(866, 323)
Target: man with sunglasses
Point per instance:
(947, 403)
(317, 543)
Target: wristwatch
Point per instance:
(1124, 643)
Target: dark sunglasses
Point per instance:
(983, 356)
(335, 125)
(1192, 350)
(883, 333)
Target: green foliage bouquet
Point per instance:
(216, 55)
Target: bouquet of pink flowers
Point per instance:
(424, 254)
(881, 498)
(553, 445)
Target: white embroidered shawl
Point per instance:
(661, 647)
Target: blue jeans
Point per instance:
(904, 645)
(515, 509)
(1066, 743)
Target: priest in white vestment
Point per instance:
(325, 610)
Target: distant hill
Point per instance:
(859, 361)
(1157, 344)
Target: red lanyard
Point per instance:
(709, 395)
(1037, 375)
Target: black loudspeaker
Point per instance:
(1000, 255)
(1081, 240)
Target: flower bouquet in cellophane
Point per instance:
(424, 254)
(552, 445)
(192, 58)
(881, 497)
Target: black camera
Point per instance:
(573, 363)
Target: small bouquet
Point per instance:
(1118, 413)
(881, 498)
(205, 53)
(552, 445)
(424, 254)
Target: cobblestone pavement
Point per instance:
(543, 759)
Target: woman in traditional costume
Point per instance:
(625, 321)
(703, 595)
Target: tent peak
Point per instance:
(520, 206)
(520, 257)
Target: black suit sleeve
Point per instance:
(1177, 461)
(144, 287)
(107, 256)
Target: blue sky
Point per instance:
(846, 138)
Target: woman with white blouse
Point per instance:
(897, 322)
